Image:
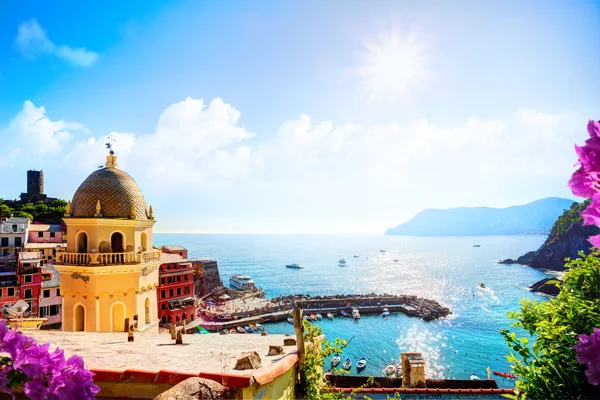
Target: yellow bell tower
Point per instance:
(109, 271)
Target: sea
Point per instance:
(447, 269)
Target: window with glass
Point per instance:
(40, 234)
(28, 278)
(46, 293)
(28, 293)
(10, 292)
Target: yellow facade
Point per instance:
(109, 271)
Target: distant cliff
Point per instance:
(534, 217)
(566, 239)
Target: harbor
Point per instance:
(218, 315)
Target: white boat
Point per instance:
(382, 251)
(330, 316)
(474, 377)
(296, 266)
(260, 327)
(335, 360)
(241, 282)
(356, 256)
(342, 262)
(361, 364)
(319, 316)
(390, 370)
(290, 320)
(347, 364)
(355, 313)
(385, 313)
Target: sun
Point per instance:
(394, 66)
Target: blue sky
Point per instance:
(337, 116)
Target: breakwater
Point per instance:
(279, 309)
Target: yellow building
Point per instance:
(109, 271)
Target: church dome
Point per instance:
(117, 192)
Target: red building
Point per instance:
(176, 300)
(9, 286)
(29, 272)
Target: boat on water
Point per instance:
(482, 285)
(294, 265)
(355, 313)
(347, 364)
(382, 251)
(313, 317)
(474, 377)
(385, 313)
(390, 370)
(202, 330)
(345, 314)
(307, 318)
(335, 360)
(261, 327)
(253, 327)
(248, 329)
(319, 316)
(476, 245)
(232, 330)
(290, 320)
(240, 329)
(507, 375)
(241, 282)
(342, 262)
(361, 364)
(356, 256)
(330, 316)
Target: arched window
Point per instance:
(82, 242)
(79, 318)
(144, 243)
(116, 242)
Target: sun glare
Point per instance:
(394, 66)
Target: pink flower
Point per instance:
(591, 215)
(588, 353)
(593, 128)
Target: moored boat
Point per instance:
(342, 262)
(355, 313)
(313, 317)
(347, 364)
(240, 329)
(385, 313)
(290, 320)
(474, 377)
(319, 316)
(248, 329)
(390, 369)
(330, 316)
(307, 318)
(345, 314)
(335, 360)
(253, 327)
(232, 330)
(294, 265)
(261, 327)
(361, 364)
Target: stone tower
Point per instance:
(110, 269)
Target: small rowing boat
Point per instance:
(240, 329)
(232, 330)
(361, 364)
(290, 320)
(347, 364)
(335, 360)
(390, 370)
(319, 316)
(248, 329)
(474, 377)
(260, 327)
(330, 316)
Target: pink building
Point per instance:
(47, 240)
(29, 273)
(50, 299)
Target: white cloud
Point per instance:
(312, 176)
(32, 40)
(31, 131)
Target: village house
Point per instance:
(50, 300)
(47, 240)
(176, 300)
(29, 273)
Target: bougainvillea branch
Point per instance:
(588, 353)
(40, 373)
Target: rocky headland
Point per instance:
(567, 238)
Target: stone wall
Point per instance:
(206, 276)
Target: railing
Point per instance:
(108, 258)
(8, 283)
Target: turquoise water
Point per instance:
(446, 269)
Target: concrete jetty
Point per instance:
(280, 308)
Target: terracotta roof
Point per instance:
(117, 192)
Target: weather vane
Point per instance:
(110, 144)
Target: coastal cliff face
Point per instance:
(567, 238)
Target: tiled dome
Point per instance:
(117, 192)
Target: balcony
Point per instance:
(8, 283)
(107, 258)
